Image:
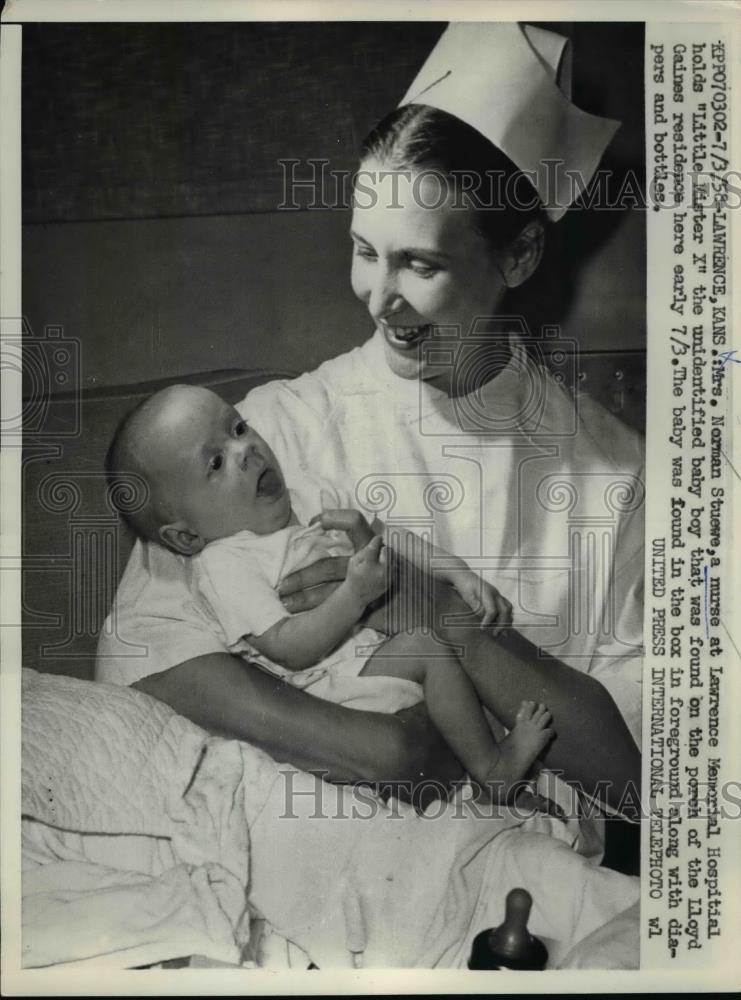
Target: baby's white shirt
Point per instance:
(235, 578)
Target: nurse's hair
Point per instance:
(418, 137)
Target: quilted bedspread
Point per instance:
(139, 755)
(125, 830)
(145, 839)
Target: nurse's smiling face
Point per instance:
(416, 267)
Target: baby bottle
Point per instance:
(511, 945)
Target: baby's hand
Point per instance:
(350, 521)
(483, 599)
(367, 571)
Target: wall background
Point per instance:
(151, 184)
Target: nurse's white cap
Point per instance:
(512, 83)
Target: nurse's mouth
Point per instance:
(406, 337)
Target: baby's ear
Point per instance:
(178, 537)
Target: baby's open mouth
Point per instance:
(269, 484)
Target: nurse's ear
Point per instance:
(179, 538)
(521, 258)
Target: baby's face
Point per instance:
(212, 469)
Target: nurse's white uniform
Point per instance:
(540, 492)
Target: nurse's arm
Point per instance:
(226, 696)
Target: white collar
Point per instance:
(505, 398)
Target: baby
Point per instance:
(217, 497)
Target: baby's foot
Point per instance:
(530, 734)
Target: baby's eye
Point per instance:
(215, 464)
(365, 252)
(240, 428)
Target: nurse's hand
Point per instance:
(309, 587)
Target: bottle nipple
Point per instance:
(511, 945)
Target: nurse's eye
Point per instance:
(215, 463)
(422, 268)
(240, 428)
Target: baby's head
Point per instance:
(209, 473)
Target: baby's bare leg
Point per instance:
(457, 712)
(593, 748)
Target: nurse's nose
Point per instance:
(385, 299)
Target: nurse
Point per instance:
(443, 422)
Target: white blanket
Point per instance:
(343, 874)
(146, 839)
